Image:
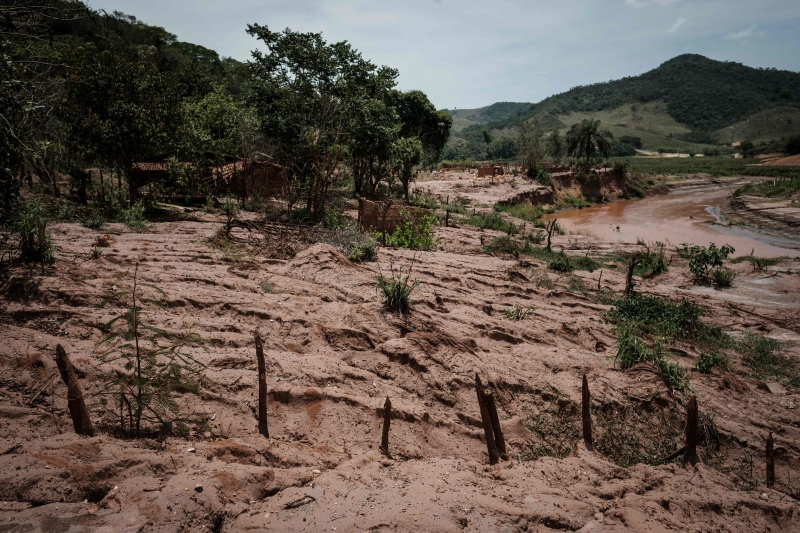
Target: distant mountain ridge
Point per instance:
(700, 92)
(463, 118)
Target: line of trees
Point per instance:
(87, 89)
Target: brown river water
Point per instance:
(690, 216)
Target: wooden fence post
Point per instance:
(690, 452)
(488, 431)
(586, 414)
(770, 462)
(499, 441)
(77, 407)
(387, 420)
(262, 388)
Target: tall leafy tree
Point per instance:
(530, 146)
(306, 92)
(420, 119)
(555, 145)
(586, 138)
(407, 154)
(121, 109)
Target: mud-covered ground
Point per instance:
(333, 356)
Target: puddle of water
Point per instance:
(681, 217)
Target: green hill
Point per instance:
(688, 98)
(499, 111)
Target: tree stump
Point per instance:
(488, 430)
(262, 388)
(387, 420)
(770, 461)
(77, 407)
(690, 451)
(586, 414)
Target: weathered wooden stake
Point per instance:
(770, 462)
(387, 420)
(488, 431)
(262, 388)
(499, 441)
(77, 407)
(447, 219)
(586, 414)
(690, 453)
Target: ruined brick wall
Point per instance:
(385, 216)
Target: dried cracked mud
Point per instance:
(333, 356)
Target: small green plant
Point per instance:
(29, 227)
(96, 252)
(553, 430)
(703, 260)
(537, 237)
(133, 217)
(94, 219)
(502, 245)
(765, 359)
(152, 371)
(231, 209)
(631, 349)
(561, 263)
(366, 250)
(267, 286)
(395, 291)
(491, 220)
(759, 263)
(256, 203)
(706, 362)
(577, 284)
(208, 205)
(414, 234)
(519, 313)
(722, 277)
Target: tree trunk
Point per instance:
(770, 462)
(77, 407)
(499, 441)
(488, 430)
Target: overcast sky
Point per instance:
(468, 53)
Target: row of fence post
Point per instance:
(493, 433)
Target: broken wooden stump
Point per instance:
(387, 420)
(770, 461)
(488, 430)
(77, 407)
(499, 441)
(690, 451)
(262, 388)
(586, 414)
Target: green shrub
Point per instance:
(491, 220)
(531, 213)
(537, 237)
(94, 219)
(502, 245)
(723, 277)
(765, 359)
(366, 250)
(561, 263)
(413, 234)
(703, 260)
(632, 350)
(706, 362)
(256, 203)
(29, 226)
(585, 263)
(133, 217)
(759, 263)
(396, 291)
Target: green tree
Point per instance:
(793, 145)
(120, 109)
(408, 153)
(419, 118)
(555, 146)
(374, 128)
(746, 147)
(586, 138)
(306, 92)
(530, 147)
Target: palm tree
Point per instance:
(584, 139)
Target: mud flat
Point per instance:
(333, 356)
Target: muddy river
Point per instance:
(689, 216)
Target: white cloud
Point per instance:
(745, 33)
(678, 23)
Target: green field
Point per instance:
(715, 166)
(774, 123)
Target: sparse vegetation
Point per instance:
(150, 373)
(706, 362)
(395, 291)
(722, 277)
(364, 251)
(759, 263)
(702, 260)
(415, 234)
(31, 242)
(519, 313)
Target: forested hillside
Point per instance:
(498, 111)
(702, 94)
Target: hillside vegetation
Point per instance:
(688, 102)
(498, 111)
